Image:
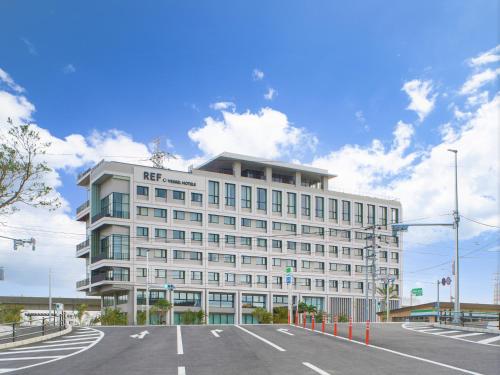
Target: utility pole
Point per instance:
(374, 273)
(437, 305)
(50, 293)
(456, 217)
(147, 287)
(372, 256)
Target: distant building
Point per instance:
(224, 233)
(38, 307)
(428, 312)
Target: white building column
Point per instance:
(269, 174)
(206, 304)
(237, 169)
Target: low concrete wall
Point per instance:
(36, 339)
(470, 329)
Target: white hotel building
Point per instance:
(223, 234)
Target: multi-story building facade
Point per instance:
(223, 234)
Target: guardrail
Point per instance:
(12, 332)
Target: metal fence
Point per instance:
(12, 332)
(472, 319)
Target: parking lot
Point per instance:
(253, 349)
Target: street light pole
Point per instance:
(438, 307)
(147, 287)
(456, 217)
(50, 293)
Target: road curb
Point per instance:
(36, 339)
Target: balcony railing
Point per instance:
(107, 277)
(80, 175)
(82, 283)
(82, 207)
(102, 256)
(82, 245)
(116, 214)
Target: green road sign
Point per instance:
(417, 292)
(289, 270)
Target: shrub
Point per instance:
(10, 313)
(193, 317)
(113, 317)
(343, 319)
(262, 315)
(141, 318)
(280, 315)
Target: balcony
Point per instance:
(83, 249)
(105, 256)
(107, 277)
(83, 211)
(83, 179)
(82, 284)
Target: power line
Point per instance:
(480, 223)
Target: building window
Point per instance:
(346, 211)
(261, 279)
(213, 219)
(196, 197)
(383, 215)
(161, 274)
(306, 264)
(333, 284)
(160, 212)
(188, 298)
(178, 235)
(291, 245)
(246, 222)
(213, 257)
(196, 216)
(142, 190)
(253, 300)
(358, 213)
(292, 203)
(229, 220)
(230, 195)
(371, 214)
(160, 193)
(246, 259)
(221, 299)
(277, 200)
(160, 233)
(213, 192)
(333, 209)
(261, 242)
(279, 300)
(179, 215)
(179, 195)
(213, 238)
(142, 211)
(320, 207)
(394, 216)
(261, 199)
(320, 283)
(333, 250)
(229, 258)
(230, 278)
(142, 232)
(213, 276)
(178, 275)
(261, 224)
(141, 272)
(277, 244)
(246, 241)
(196, 236)
(246, 197)
(230, 240)
(306, 205)
(261, 261)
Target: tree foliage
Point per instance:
(10, 313)
(382, 291)
(161, 307)
(193, 317)
(22, 170)
(113, 317)
(262, 315)
(280, 315)
(81, 311)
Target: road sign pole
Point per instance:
(438, 307)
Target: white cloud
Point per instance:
(270, 94)
(257, 75)
(7, 79)
(361, 119)
(30, 46)
(221, 106)
(69, 68)
(420, 101)
(267, 133)
(477, 80)
(488, 57)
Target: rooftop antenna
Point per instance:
(159, 156)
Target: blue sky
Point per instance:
(338, 71)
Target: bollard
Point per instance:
(350, 328)
(304, 320)
(323, 324)
(296, 318)
(288, 317)
(335, 325)
(367, 333)
(312, 322)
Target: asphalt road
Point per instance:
(255, 349)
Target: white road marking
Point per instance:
(4, 370)
(75, 341)
(216, 332)
(446, 332)
(314, 368)
(181, 370)
(431, 330)
(140, 335)
(87, 335)
(261, 339)
(54, 345)
(28, 358)
(42, 350)
(395, 352)
(489, 340)
(467, 335)
(180, 349)
(285, 331)
(54, 358)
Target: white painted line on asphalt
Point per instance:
(394, 352)
(180, 349)
(446, 332)
(285, 331)
(431, 330)
(87, 335)
(27, 350)
(76, 341)
(181, 370)
(29, 358)
(53, 345)
(140, 336)
(314, 368)
(467, 335)
(4, 370)
(261, 339)
(216, 332)
(489, 340)
(57, 358)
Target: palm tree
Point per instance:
(382, 291)
(162, 306)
